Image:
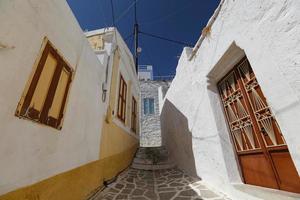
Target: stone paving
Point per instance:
(168, 184)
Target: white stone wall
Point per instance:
(150, 132)
(193, 123)
(112, 41)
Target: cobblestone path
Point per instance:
(169, 184)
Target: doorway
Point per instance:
(261, 149)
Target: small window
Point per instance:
(148, 106)
(45, 99)
(134, 115)
(122, 99)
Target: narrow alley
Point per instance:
(149, 100)
(153, 176)
(167, 184)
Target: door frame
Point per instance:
(219, 69)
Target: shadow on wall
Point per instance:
(233, 171)
(177, 138)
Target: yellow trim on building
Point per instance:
(129, 105)
(113, 86)
(79, 183)
(117, 149)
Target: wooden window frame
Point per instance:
(25, 111)
(134, 115)
(122, 97)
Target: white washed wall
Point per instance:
(269, 34)
(30, 152)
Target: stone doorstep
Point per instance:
(265, 193)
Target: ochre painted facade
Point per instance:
(117, 149)
(78, 183)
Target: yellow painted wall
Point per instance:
(115, 140)
(116, 153)
(79, 183)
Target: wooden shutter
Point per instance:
(45, 99)
(134, 115)
(122, 99)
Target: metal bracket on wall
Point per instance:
(3, 46)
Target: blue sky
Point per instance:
(180, 20)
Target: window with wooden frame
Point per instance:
(44, 100)
(134, 115)
(122, 99)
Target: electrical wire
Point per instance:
(102, 12)
(125, 11)
(166, 39)
(149, 58)
(112, 12)
(128, 37)
(163, 18)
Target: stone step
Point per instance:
(142, 160)
(149, 161)
(145, 155)
(144, 151)
(153, 167)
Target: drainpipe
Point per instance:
(206, 30)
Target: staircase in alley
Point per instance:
(152, 158)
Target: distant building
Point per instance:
(145, 72)
(152, 99)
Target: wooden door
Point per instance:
(263, 154)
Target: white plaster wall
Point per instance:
(162, 91)
(268, 32)
(114, 41)
(30, 152)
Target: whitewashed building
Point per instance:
(145, 72)
(231, 115)
(152, 98)
(63, 132)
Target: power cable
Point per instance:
(112, 12)
(162, 18)
(149, 58)
(125, 11)
(128, 37)
(166, 39)
(102, 12)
